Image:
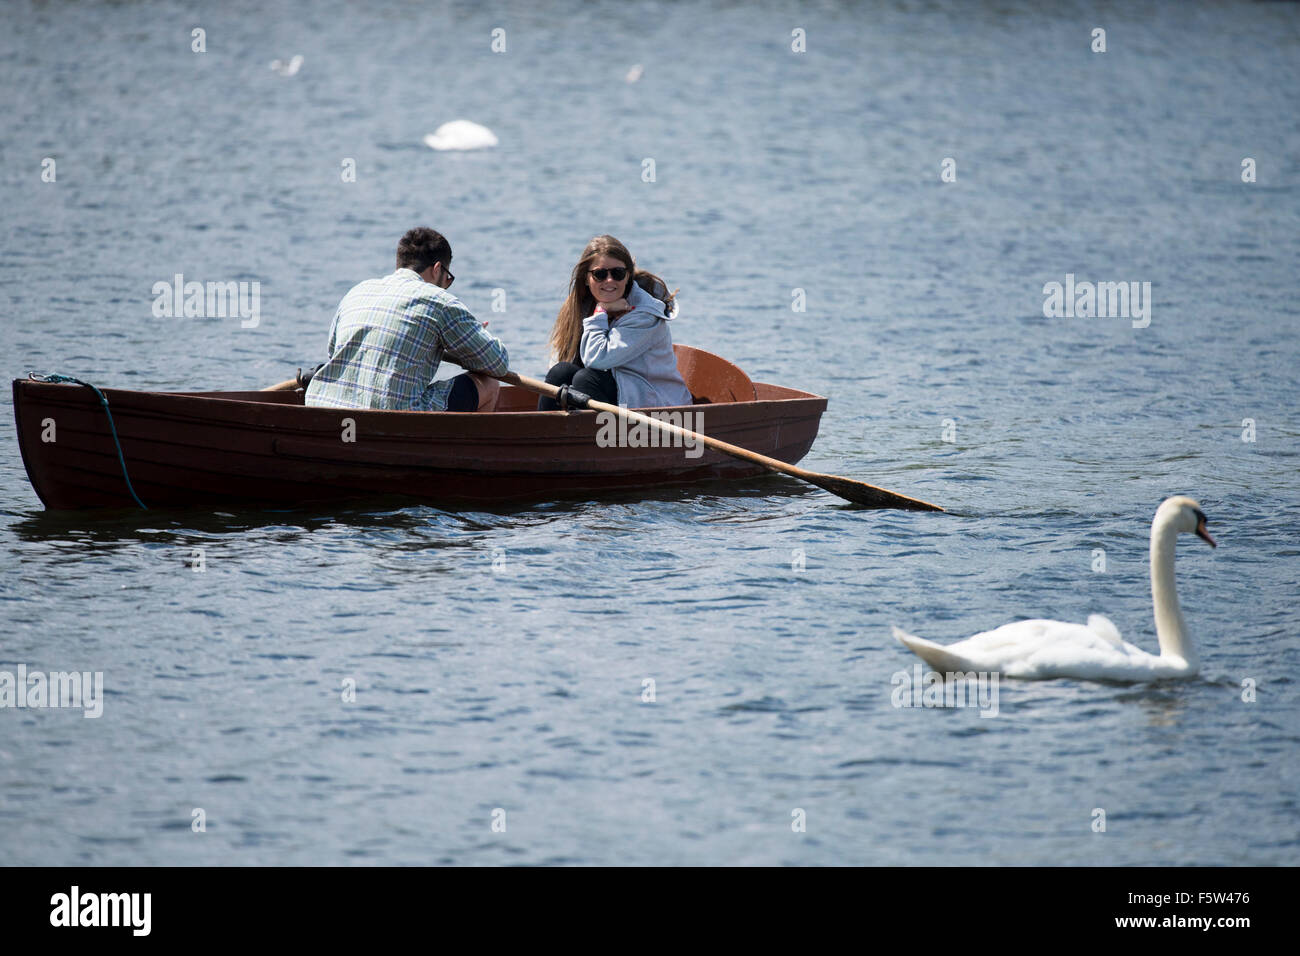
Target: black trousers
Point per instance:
(463, 396)
(596, 383)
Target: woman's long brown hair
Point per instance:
(566, 335)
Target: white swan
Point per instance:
(288, 69)
(460, 134)
(1036, 650)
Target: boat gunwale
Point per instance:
(151, 409)
(798, 395)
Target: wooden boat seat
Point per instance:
(713, 378)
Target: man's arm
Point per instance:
(470, 345)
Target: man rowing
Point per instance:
(389, 336)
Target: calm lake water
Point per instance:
(761, 611)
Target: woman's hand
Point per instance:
(616, 308)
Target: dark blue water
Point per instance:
(499, 657)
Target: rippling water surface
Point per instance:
(500, 656)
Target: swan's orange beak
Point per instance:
(1203, 534)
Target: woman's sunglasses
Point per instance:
(618, 274)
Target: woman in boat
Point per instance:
(611, 338)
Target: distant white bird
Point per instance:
(635, 73)
(1037, 650)
(290, 68)
(460, 134)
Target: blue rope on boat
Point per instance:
(54, 378)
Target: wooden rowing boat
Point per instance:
(200, 448)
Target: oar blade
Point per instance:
(869, 496)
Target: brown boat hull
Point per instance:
(199, 449)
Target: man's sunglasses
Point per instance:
(619, 274)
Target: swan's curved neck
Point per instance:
(1171, 630)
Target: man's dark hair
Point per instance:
(422, 247)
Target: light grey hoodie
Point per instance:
(638, 349)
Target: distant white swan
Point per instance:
(460, 134)
(290, 68)
(1036, 650)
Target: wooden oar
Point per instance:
(858, 492)
(288, 386)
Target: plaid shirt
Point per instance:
(387, 341)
